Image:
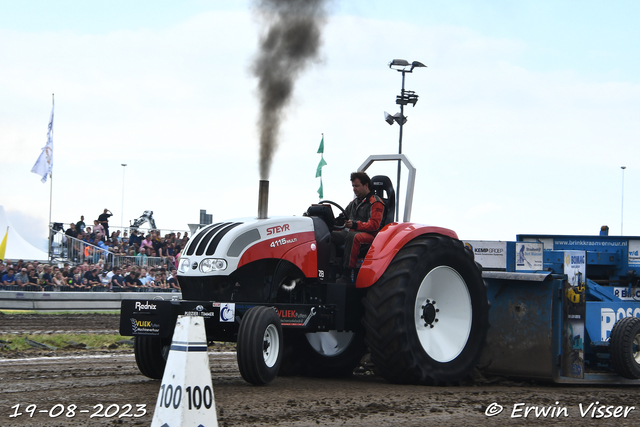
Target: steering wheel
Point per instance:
(337, 227)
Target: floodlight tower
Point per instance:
(405, 97)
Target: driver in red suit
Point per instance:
(363, 218)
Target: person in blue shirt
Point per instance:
(9, 279)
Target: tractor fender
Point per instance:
(386, 245)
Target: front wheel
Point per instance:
(427, 316)
(151, 355)
(259, 347)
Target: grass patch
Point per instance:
(61, 341)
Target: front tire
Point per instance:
(426, 318)
(151, 355)
(259, 347)
(624, 347)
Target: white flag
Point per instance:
(44, 164)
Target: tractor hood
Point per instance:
(222, 248)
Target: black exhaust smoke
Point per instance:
(289, 42)
(263, 199)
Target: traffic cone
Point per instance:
(186, 394)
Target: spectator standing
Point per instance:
(117, 281)
(158, 244)
(173, 281)
(103, 219)
(131, 281)
(80, 225)
(161, 280)
(71, 231)
(99, 230)
(104, 280)
(142, 258)
(92, 277)
(68, 280)
(46, 279)
(22, 278)
(146, 243)
(135, 238)
(91, 236)
(33, 277)
(145, 278)
(58, 280)
(111, 273)
(9, 279)
(76, 281)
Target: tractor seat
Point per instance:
(382, 187)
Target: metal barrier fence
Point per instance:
(69, 249)
(142, 261)
(73, 300)
(97, 288)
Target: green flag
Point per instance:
(320, 165)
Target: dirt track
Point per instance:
(55, 380)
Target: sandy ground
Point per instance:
(51, 382)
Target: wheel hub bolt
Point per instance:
(429, 313)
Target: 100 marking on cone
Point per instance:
(196, 396)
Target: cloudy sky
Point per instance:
(527, 111)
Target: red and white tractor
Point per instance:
(418, 304)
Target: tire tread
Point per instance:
(621, 342)
(386, 321)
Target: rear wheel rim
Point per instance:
(443, 314)
(331, 343)
(635, 349)
(271, 345)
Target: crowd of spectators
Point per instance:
(134, 245)
(98, 271)
(35, 276)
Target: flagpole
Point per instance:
(50, 191)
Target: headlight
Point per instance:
(212, 264)
(183, 267)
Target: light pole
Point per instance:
(622, 203)
(405, 97)
(124, 166)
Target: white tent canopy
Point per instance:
(17, 247)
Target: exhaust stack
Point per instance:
(263, 199)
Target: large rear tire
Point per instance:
(259, 347)
(151, 355)
(625, 347)
(426, 318)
